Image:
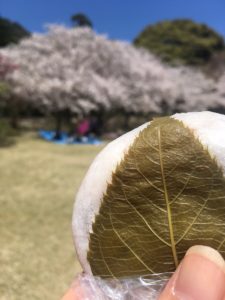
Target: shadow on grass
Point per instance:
(9, 142)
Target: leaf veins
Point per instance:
(166, 195)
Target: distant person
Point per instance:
(95, 126)
(83, 128)
(57, 136)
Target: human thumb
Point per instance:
(200, 276)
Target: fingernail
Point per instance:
(201, 275)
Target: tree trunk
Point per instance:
(14, 115)
(58, 124)
(127, 121)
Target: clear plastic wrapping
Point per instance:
(142, 288)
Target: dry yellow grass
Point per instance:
(38, 181)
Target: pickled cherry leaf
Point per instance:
(167, 194)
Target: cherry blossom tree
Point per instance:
(194, 91)
(5, 67)
(79, 71)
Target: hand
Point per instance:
(200, 276)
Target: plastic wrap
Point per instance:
(142, 288)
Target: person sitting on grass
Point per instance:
(83, 128)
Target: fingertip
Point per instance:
(201, 275)
(208, 253)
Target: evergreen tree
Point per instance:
(11, 32)
(81, 20)
(182, 41)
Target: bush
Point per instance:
(4, 90)
(6, 133)
(182, 41)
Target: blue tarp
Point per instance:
(65, 139)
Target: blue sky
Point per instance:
(120, 19)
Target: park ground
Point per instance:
(38, 182)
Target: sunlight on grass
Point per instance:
(38, 181)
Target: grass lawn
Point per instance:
(38, 182)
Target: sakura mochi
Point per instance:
(150, 195)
